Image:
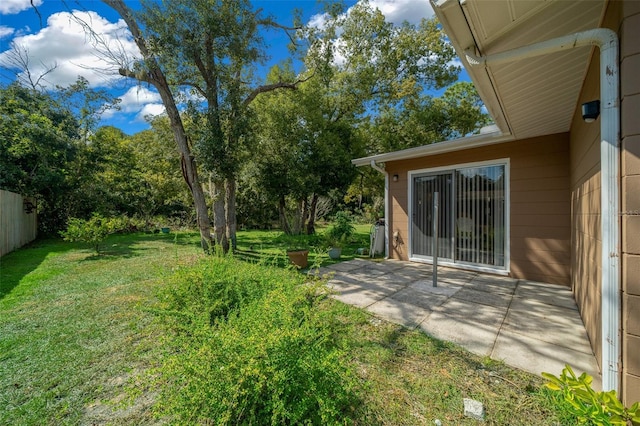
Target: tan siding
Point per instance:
(540, 207)
(629, 24)
(586, 264)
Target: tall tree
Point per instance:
(213, 46)
(362, 65)
(86, 103)
(160, 186)
(370, 63)
(149, 69)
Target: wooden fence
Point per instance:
(18, 221)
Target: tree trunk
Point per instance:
(219, 216)
(282, 210)
(155, 76)
(230, 204)
(304, 213)
(311, 226)
(190, 174)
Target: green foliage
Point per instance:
(92, 231)
(590, 407)
(254, 345)
(425, 119)
(36, 150)
(51, 150)
(342, 229)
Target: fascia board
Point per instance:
(436, 148)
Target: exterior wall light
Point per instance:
(395, 178)
(590, 111)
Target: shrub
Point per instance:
(342, 229)
(588, 406)
(254, 345)
(92, 231)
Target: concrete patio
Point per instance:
(529, 325)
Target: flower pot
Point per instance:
(335, 252)
(299, 258)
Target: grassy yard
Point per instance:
(81, 341)
(271, 246)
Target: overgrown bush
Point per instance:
(95, 230)
(92, 231)
(341, 230)
(253, 345)
(588, 406)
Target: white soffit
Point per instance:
(530, 97)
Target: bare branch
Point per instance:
(270, 87)
(34, 7)
(18, 59)
(268, 22)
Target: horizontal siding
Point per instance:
(540, 202)
(630, 168)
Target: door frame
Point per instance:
(507, 219)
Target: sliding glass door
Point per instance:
(424, 187)
(472, 215)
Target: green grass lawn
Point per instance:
(81, 343)
(271, 246)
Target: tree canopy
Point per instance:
(362, 85)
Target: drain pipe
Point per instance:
(607, 41)
(374, 166)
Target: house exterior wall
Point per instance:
(586, 240)
(624, 18)
(630, 196)
(540, 225)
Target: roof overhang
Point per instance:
(529, 97)
(436, 148)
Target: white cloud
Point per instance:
(64, 42)
(5, 31)
(319, 21)
(140, 101)
(398, 11)
(8, 7)
(150, 110)
(136, 97)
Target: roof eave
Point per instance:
(453, 21)
(436, 148)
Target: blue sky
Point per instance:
(55, 39)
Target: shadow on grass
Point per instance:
(123, 246)
(21, 262)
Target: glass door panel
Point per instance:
(480, 215)
(424, 187)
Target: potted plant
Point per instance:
(334, 247)
(339, 234)
(298, 257)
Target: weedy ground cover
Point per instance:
(152, 331)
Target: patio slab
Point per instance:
(530, 354)
(399, 312)
(476, 337)
(528, 325)
(420, 299)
